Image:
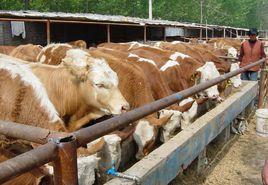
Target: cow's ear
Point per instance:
(161, 121)
(196, 75)
(67, 61)
(79, 72)
(221, 70)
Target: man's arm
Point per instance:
(263, 55)
(241, 53)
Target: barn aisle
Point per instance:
(243, 162)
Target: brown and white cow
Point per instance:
(79, 44)
(28, 52)
(91, 88)
(6, 49)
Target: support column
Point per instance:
(108, 33)
(48, 32)
(145, 34)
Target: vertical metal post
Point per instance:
(48, 31)
(237, 33)
(65, 165)
(150, 10)
(144, 34)
(262, 85)
(231, 33)
(108, 33)
(224, 34)
(201, 34)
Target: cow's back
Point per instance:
(53, 54)
(28, 52)
(6, 49)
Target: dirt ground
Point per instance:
(240, 164)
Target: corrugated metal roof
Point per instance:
(103, 18)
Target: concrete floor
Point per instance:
(240, 164)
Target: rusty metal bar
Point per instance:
(91, 133)
(27, 161)
(65, 165)
(29, 133)
(262, 86)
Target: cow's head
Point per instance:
(97, 83)
(208, 72)
(169, 129)
(236, 80)
(232, 52)
(145, 134)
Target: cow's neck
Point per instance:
(62, 88)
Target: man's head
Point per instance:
(252, 33)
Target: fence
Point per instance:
(60, 148)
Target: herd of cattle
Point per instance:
(63, 87)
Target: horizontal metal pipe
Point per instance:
(27, 161)
(91, 133)
(28, 133)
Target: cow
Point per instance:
(174, 65)
(131, 78)
(27, 52)
(79, 44)
(6, 49)
(53, 53)
(89, 88)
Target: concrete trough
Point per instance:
(163, 164)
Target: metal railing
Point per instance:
(60, 148)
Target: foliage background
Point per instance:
(237, 13)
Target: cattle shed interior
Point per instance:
(67, 27)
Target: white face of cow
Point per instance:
(98, 82)
(209, 72)
(190, 114)
(232, 52)
(236, 80)
(168, 130)
(144, 134)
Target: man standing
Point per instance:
(251, 51)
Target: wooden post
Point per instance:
(164, 31)
(48, 31)
(201, 161)
(206, 30)
(144, 34)
(262, 86)
(108, 33)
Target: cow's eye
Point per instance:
(100, 85)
